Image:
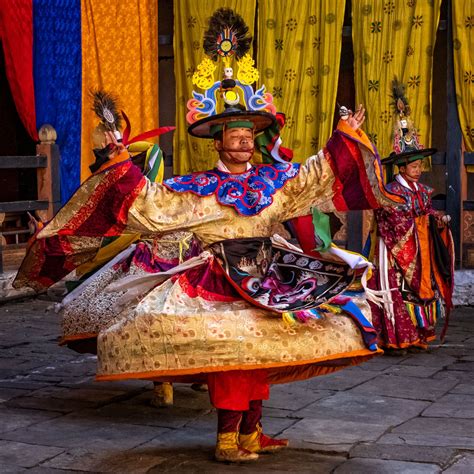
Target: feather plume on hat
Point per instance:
(105, 106)
(400, 101)
(227, 35)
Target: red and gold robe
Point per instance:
(193, 324)
(404, 253)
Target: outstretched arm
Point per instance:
(117, 200)
(345, 175)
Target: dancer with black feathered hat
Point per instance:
(411, 245)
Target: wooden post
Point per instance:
(453, 148)
(48, 178)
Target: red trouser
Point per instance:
(231, 421)
(233, 390)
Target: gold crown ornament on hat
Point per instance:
(227, 40)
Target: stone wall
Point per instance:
(463, 288)
(7, 292)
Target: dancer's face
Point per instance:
(412, 171)
(236, 146)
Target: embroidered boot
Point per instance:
(251, 436)
(257, 442)
(227, 448)
(162, 394)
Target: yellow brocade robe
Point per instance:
(168, 332)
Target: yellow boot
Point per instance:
(162, 394)
(228, 449)
(257, 442)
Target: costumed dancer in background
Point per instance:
(411, 246)
(251, 309)
(88, 308)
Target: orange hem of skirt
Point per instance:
(402, 345)
(87, 335)
(405, 345)
(200, 370)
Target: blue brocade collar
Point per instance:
(248, 193)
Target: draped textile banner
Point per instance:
(190, 23)
(463, 39)
(16, 32)
(119, 54)
(57, 77)
(394, 38)
(299, 49)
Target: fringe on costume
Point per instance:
(425, 316)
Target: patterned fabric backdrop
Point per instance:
(463, 35)
(190, 23)
(57, 73)
(299, 48)
(394, 38)
(120, 54)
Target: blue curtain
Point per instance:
(57, 77)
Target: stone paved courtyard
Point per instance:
(412, 414)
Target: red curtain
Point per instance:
(16, 33)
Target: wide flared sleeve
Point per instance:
(159, 209)
(117, 201)
(345, 175)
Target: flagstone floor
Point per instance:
(412, 414)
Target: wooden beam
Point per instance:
(165, 40)
(468, 158)
(48, 181)
(23, 206)
(13, 162)
(439, 158)
(453, 148)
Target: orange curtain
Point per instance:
(119, 54)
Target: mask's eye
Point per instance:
(251, 284)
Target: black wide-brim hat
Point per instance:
(401, 159)
(260, 120)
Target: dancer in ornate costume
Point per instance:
(252, 309)
(411, 246)
(89, 307)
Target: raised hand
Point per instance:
(110, 138)
(356, 119)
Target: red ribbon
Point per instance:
(156, 132)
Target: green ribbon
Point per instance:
(322, 230)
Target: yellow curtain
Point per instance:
(119, 54)
(394, 38)
(299, 49)
(190, 23)
(463, 43)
